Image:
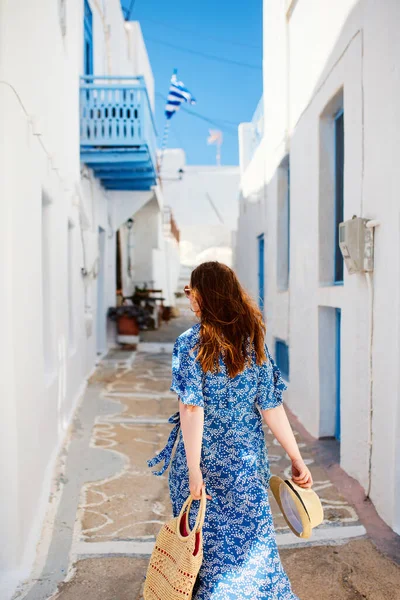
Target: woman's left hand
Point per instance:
(196, 483)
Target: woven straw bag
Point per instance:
(177, 556)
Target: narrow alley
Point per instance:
(149, 150)
(107, 506)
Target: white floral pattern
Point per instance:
(241, 559)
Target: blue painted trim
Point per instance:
(330, 283)
(261, 279)
(113, 77)
(131, 186)
(111, 160)
(338, 255)
(338, 372)
(88, 39)
(282, 357)
(124, 176)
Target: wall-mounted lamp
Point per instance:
(129, 225)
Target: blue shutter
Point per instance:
(88, 40)
(339, 191)
(282, 357)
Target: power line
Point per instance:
(218, 123)
(200, 35)
(204, 55)
(211, 121)
(214, 208)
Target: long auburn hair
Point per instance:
(230, 319)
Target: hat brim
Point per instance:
(275, 485)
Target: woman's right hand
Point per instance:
(196, 484)
(301, 474)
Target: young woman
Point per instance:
(227, 384)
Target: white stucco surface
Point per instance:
(56, 220)
(204, 203)
(311, 57)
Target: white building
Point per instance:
(75, 166)
(323, 147)
(202, 198)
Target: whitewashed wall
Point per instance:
(46, 352)
(311, 52)
(204, 204)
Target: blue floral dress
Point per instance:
(240, 555)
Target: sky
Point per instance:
(225, 93)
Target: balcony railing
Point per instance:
(118, 137)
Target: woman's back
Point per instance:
(221, 441)
(233, 438)
(241, 559)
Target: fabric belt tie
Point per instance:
(166, 453)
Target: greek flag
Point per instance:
(177, 94)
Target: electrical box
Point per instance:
(356, 242)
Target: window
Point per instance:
(88, 40)
(283, 225)
(331, 191)
(260, 239)
(282, 357)
(339, 189)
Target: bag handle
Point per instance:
(200, 515)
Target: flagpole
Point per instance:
(218, 153)
(164, 144)
(215, 137)
(177, 94)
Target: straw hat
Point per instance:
(300, 507)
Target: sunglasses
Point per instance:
(187, 291)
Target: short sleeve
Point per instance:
(270, 384)
(187, 374)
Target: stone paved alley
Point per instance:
(106, 506)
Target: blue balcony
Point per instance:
(118, 136)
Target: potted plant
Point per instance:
(128, 318)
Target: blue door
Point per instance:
(261, 271)
(88, 40)
(338, 361)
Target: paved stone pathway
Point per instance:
(110, 506)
